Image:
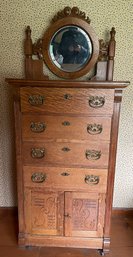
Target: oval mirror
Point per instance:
(70, 48)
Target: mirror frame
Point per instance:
(70, 17)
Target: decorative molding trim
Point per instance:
(71, 12)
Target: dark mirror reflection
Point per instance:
(70, 48)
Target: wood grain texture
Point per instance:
(102, 84)
(77, 242)
(68, 178)
(65, 128)
(74, 155)
(78, 103)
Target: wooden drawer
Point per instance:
(92, 154)
(67, 100)
(66, 178)
(51, 128)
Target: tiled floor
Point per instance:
(121, 240)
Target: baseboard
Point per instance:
(7, 210)
(124, 212)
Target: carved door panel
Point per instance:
(84, 214)
(44, 212)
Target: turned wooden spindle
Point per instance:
(111, 54)
(28, 53)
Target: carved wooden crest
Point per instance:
(71, 12)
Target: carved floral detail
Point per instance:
(37, 48)
(74, 12)
(103, 52)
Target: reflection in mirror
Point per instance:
(70, 48)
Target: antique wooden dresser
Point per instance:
(66, 137)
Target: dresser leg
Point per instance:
(106, 247)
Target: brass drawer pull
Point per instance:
(94, 129)
(67, 96)
(65, 174)
(66, 123)
(91, 179)
(37, 153)
(93, 155)
(96, 101)
(36, 100)
(38, 177)
(37, 127)
(66, 149)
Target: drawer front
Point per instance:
(66, 178)
(92, 154)
(67, 100)
(40, 127)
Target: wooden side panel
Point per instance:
(20, 181)
(84, 214)
(44, 212)
(50, 128)
(71, 101)
(67, 154)
(112, 161)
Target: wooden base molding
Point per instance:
(75, 242)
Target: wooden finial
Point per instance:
(28, 43)
(112, 33)
(112, 44)
(28, 32)
(111, 54)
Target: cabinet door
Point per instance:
(84, 214)
(44, 212)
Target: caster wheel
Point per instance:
(101, 252)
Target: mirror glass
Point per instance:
(70, 48)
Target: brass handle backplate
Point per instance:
(91, 179)
(93, 155)
(37, 153)
(38, 177)
(37, 127)
(94, 129)
(36, 100)
(96, 101)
